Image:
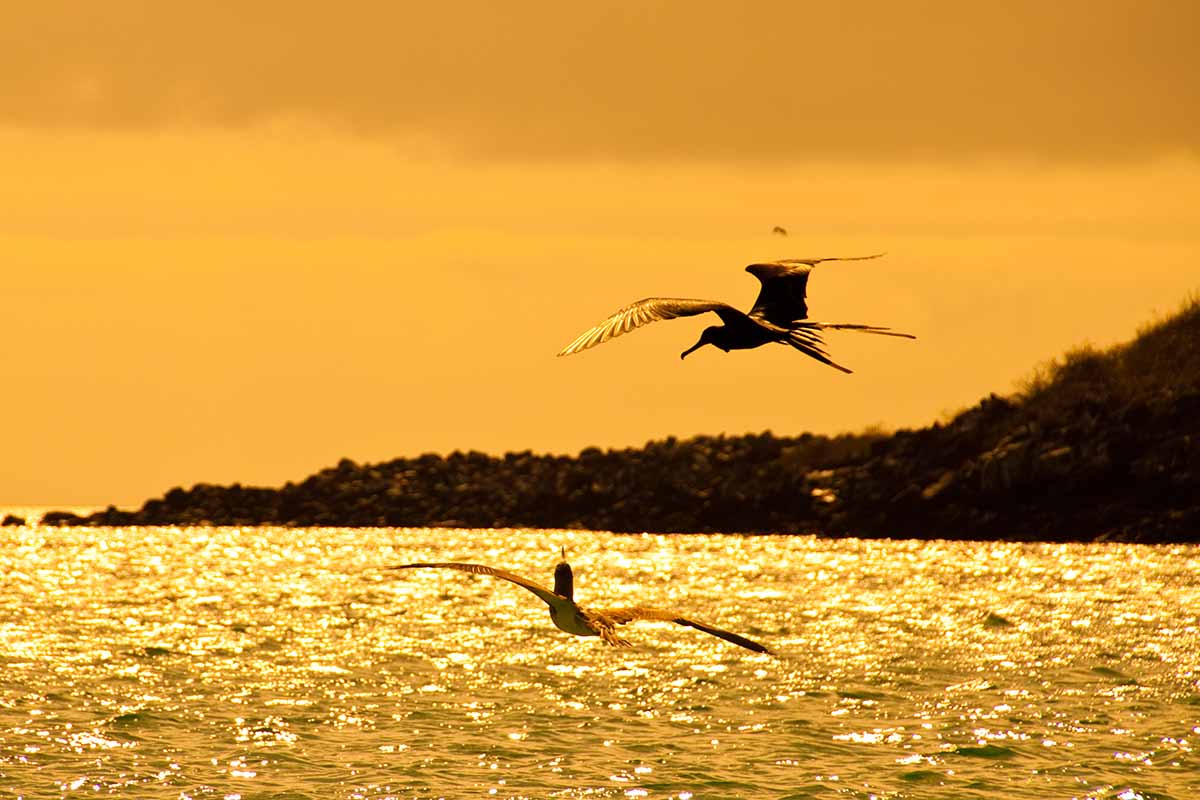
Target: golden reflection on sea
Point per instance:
(249, 662)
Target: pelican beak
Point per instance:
(692, 349)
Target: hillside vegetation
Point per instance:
(1100, 444)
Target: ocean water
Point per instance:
(284, 663)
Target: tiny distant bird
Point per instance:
(573, 618)
(779, 315)
(779, 229)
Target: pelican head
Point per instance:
(564, 578)
(714, 335)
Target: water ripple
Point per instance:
(268, 662)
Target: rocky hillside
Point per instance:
(1099, 445)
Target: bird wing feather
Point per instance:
(605, 627)
(782, 298)
(643, 312)
(622, 616)
(480, 569)
(806, 338)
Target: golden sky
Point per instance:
(241, 243)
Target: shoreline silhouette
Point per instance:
(1098, 445)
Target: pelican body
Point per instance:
(569, 616)
(780, 314)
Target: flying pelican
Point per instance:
(573, 618)
(778, 315)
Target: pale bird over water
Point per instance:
(780, 314)
(573, 618)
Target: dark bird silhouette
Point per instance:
(779, 315)
(573, 618)
(779, 229)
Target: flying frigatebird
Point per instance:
(780, 314)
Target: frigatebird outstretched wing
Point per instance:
(782, 299)
(643, 312)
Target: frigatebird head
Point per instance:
(564, 578)
(714, 335)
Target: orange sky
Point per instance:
(239, 245)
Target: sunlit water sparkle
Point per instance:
(274, 662)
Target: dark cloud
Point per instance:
(761, 81)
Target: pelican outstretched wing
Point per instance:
(643, 312)
(621, 616)
(782, 299)
(480, 569)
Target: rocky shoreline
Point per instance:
(1100, 446)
